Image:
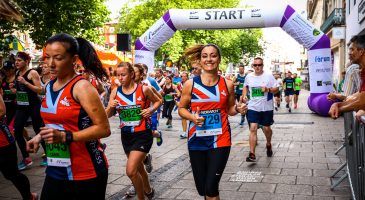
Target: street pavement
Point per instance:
(303, 144)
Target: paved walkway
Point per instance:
(303, 145)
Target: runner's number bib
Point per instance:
(130, 115)
(212, 123)
(22, 98)
(7, 92)
(58, 155)
(289, 85)
(240, 86)
(257, 92)
(168, 97)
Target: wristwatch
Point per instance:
(69, 137)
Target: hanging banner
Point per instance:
(320, 71)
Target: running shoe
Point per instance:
(131, 192)
(44, 161)
(287, 105)
(289, 110)
(183, 135)
(269, 150)
(148, 163)
(295, 106)
(159, 140)
(169, 126)
(251, 158)
(278, 105)
(25, 163)
(276, 108)
(151, 194)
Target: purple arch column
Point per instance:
(317, 101)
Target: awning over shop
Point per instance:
(110, 59)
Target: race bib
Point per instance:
(22, 98)
(289, 85)
(240, 86)
(212, 123)
(257, 92)
(130, 115)
(168, 97)
(58, 155)
(7, 93)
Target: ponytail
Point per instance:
(90, 59)
(84, 50)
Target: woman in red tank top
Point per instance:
(206, 102)
(132, 101)
(75, 120)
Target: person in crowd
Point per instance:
(75, 120)
(238, 83)
(340, 85)
(176, 79)
(169, 92)
(351, 84)
(27, 87)
(297, 82)
(206, 102)
(131, 100)
(8, 158)
(9, 98)
(356, 101)
(45, 78)
(160, 77)
(139, 76)
(277, 96)
(261, 86)
(288, 84)
(184, 124)
(196, 70)
(139, 72)
(114, 81)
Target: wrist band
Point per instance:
(69, 137)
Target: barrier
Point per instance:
(355, 155)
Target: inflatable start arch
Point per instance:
(284, 16)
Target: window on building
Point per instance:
(111, 29)
(349, 5)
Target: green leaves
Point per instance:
(46, 18)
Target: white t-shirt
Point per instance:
(279, 82)
(260, 101)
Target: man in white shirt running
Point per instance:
(261, 87)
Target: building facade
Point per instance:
(355, 18)
(330, 16)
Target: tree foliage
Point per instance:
(45, 18)
(235, 44)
